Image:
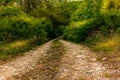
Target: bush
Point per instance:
(108, 22)
(87, 9)
(82, 26)
(24, 27)
(19, 32)
(48, 27)
(14, 25)
(80, 32)
(10, 11)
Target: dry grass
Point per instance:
(110, 45)
(15, 44)
(12, 49)
(107, 75)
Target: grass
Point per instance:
(107, 75)
(107, 48)
(82, 78)
(111, 44)
(15, 48)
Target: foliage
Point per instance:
(21, 28)
(15, 25)
(7, 1)
(10, 11)
(105, 20)
(79, 32)
(87, 9)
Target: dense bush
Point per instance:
(87, 9)
(10, 11)
(15, 25)
(20, 32)
(110, 22)
(21, 28)
(106, 21)
(79, 32)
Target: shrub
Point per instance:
(19, 32)
(14, 25)
(48, 27)
(108, 22)
(80, 32)
(88, 9)
(24, 27)
(10, 11)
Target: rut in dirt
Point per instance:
(47, 67)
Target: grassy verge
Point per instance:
(103, 43)
(107, 48)
(11, 50)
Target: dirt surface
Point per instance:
(80, 63)
(47, 67)
(23, 64)
(59, 60)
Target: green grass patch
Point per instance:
(99, 42)
(15, 48)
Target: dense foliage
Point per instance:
(18, 31)
(17, 25)
(92, 17)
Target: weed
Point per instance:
(108, 75)
(15, 48)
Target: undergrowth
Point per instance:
(8, 51)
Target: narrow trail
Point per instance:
(57, 60)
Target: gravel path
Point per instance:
(57, 61)
(22, 65)
(79, 63)
(47, 67)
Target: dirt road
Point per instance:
(58, 60)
